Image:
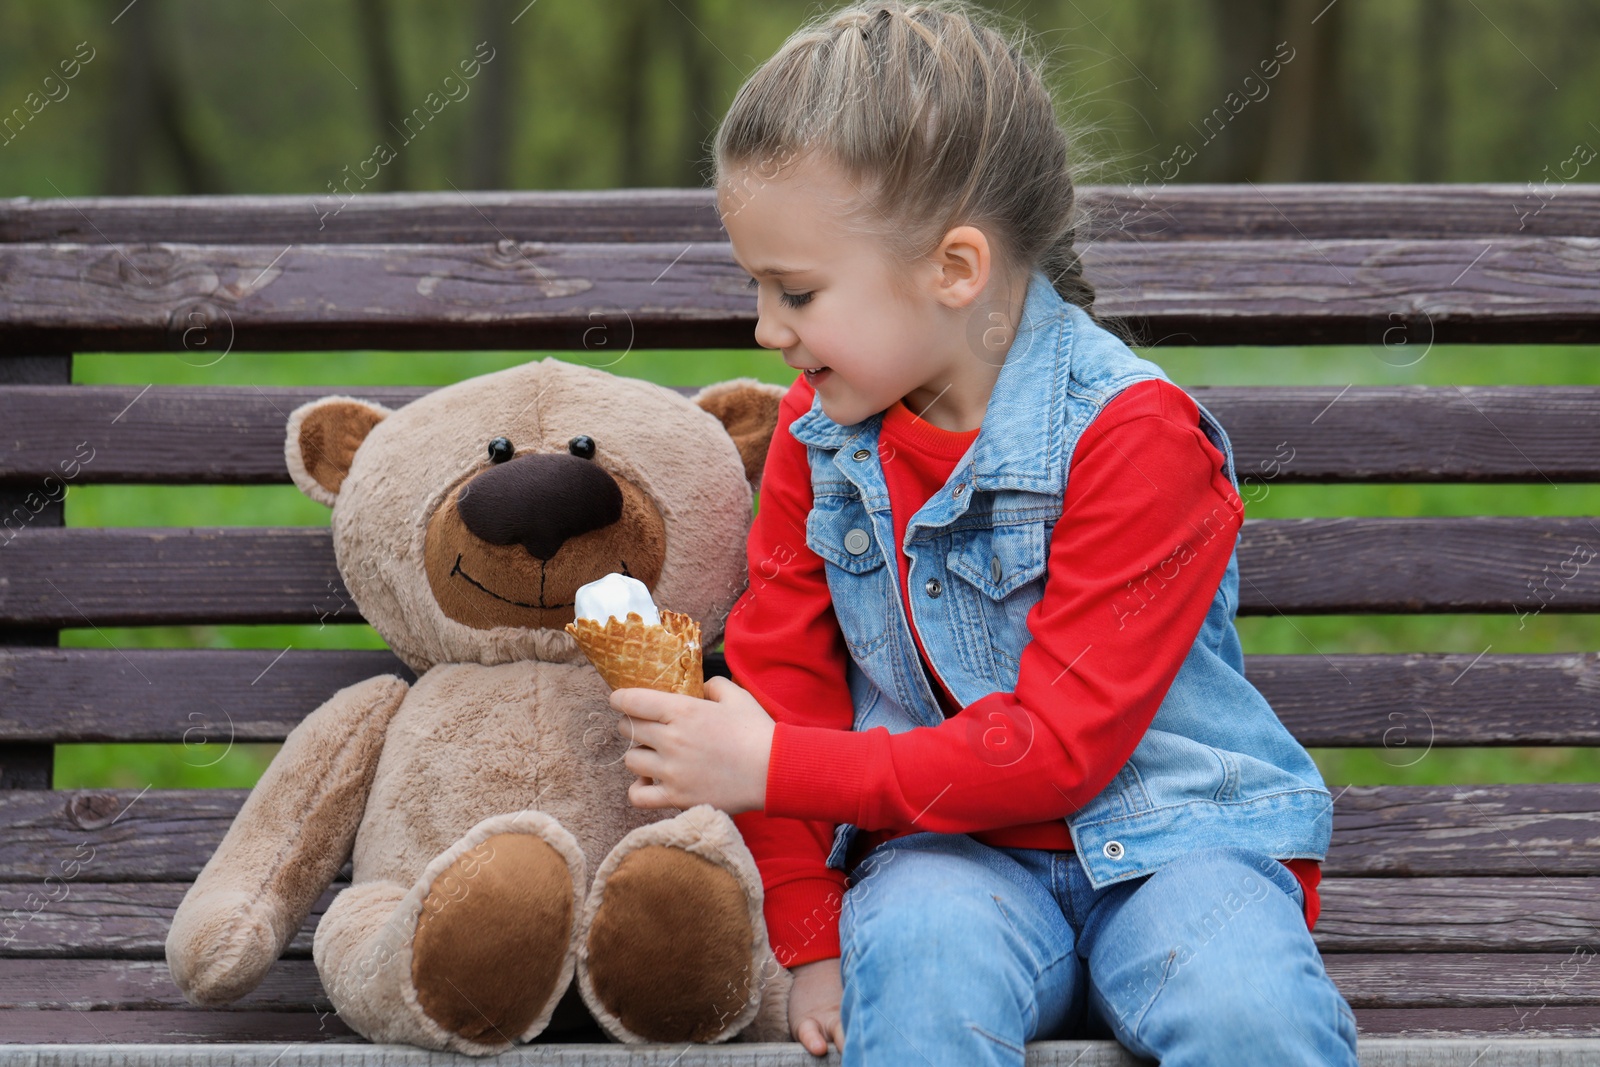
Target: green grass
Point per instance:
(216, 765)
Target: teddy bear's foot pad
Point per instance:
(492, 937)
(668, 934)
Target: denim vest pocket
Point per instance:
(1006, 566)
(858, 582)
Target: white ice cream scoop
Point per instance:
(615, 595)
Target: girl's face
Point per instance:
(827, 298)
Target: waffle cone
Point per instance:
(665, 657)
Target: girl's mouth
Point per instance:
(815, 376)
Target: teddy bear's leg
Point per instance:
(672, 945)
(471, 958)
(362, 949)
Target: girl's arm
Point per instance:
(1147, 500)
(783, 644)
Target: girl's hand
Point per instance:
(711, 751)
(814, 1013)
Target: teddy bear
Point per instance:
(483, 808)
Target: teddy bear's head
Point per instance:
(465, 521)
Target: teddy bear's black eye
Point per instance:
(500, 449)
(581, 446)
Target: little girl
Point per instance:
(991, 739)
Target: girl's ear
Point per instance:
(748, 410)
(322, 439)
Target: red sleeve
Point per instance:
(1146, 531)
(784, 646)
(1309, 872)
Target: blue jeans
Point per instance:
(957, 952)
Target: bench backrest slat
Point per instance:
(1279, 290)
(209, 697)
(276, 574)
(1311, 211)
(232, 435)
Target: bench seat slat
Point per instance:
(1367, 980)
(144, 985)
(1405, 703)
(104, 1035)
(191, 435)
(1446, 1037)
(1112, 212)
(115, 576)
(206, 300)
(1537, 831)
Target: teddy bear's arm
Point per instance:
(290, 838)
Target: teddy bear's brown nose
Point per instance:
(539, 502)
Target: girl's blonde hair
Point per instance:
(938, 119)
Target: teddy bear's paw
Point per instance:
(493, 949)
(672, 939)
(220, 946)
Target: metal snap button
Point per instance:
(934, 587)
(862, 453)
(857, 542)
(959, 487)
(1113, 850)
(994, 568)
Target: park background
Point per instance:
(291, 96)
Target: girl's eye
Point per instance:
(793, 300)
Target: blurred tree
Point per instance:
(385, 96)
(1246, 32)
(699, 97)
(1314, 134)
(1430, 145)
(634, 35)
(147, 117)
(490, 125)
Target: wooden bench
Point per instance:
(1460, 921)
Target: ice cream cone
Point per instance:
(634, 653)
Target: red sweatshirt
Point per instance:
(1107, 640)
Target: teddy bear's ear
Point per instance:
(322, 439)
(748, 410)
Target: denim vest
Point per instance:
(1215, 767)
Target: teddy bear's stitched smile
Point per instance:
(457, 569)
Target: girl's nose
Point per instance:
(770, 333)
